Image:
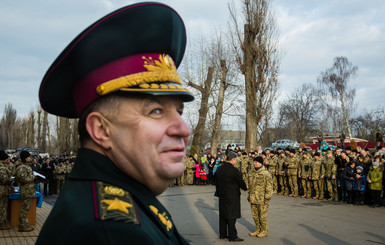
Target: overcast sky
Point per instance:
(312, 33)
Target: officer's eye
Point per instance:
(156, 111)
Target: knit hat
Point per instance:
(377, 164)
(258, 159)
(360, 168)
(3, 155)
(24, 155)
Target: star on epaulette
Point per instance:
(114, 203)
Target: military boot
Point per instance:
(295, 195)
(255, 233)
(280, 193)
(316, 197)
(321, 198)
(262, 234)
(308, 196)
(291, 195)
(304, 196)
(26, 229)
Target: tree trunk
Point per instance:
(219, 108)
(344, 112)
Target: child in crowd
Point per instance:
(374, 179)
(203, 176)
(197, 174)
(359, 185)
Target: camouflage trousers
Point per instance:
(3, 209)
(283, 184)
(332, 187)
(306, 185)
(293, 182)
(181, 181)
(275, 182)
(25, 207)
(59, 185)
(259, 213)
(190, 178)
(319, 187)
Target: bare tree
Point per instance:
(256, 50)
(300, 111)
(335, 82)
(9, 125)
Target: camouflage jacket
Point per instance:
(25, 178)
(60, 171)
(292, 167)
(304, 168)
(271, 164)
(190, 165)
(260, 184)
(330, 168)
(281, 169)
(5, 180)
(244, 162)
(317, 169)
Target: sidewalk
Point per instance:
(13, 237)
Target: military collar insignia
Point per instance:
(113, 203)
(162, 217)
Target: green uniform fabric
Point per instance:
(304, 174)
(330, 176)
(5, 190)
(99, 204)
(260, 184)
(244, 165)
(24, 176)
(292, 171)
(317, 175)
(59, 173)
(281, 172)
(271, 164)
(190, 165)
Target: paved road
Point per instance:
(291, 220)
(194, 210)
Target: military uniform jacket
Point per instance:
(281, 169)
(24, 176)
(260, 185)
(330, 168)
(99, 204)
(292, 168)
(317, 169)
(228, 181)
(304, 169)
(5, 180)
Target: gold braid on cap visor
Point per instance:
(162, 70)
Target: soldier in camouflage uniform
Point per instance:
(281, 173)
(59, 173)
(270, 163)
(304, 174)
(190, 170)
(350, 154)
(317, 176)
(260, 192)
(5, 189)
(25, 177)
(244, 165)
(181, 181)
(292, 171)
(330, 175)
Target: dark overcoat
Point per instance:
(228, 183)
(99, 204)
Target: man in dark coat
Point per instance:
(228, 183)
(119, 77)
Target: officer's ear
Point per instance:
(98, 127)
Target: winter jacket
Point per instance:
(375, 175)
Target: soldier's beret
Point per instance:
(292, 150)
(304, 153)
(135, 49)
(244, 153)
(24, 155)
(3, 155)
(348, 148)
(317, 154)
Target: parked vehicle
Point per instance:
(284, 143)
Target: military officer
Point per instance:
(5, 189)
(260, 192)
(59, 173)
(181, 180)
(292, 171)
(26, 180)
(330, 175)
(304, 174)
(271, 165)
(244, 163)
(119, 77)
(317, 176)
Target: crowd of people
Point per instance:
(353, 176)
